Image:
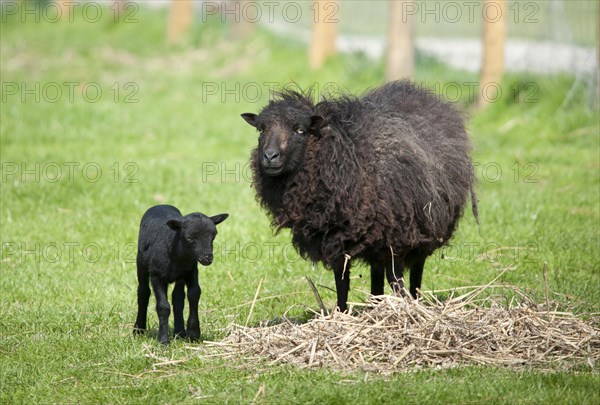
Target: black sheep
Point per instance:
(169, 248)
(370, 178)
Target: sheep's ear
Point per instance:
(217, 219)
(317, 122)
(174, 224)
(250, 118)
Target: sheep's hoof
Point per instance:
(180, 335)
(376, 298)
(398, 288)
(138, 331)
(163, 338)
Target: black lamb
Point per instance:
(373, 178)
(169, 248)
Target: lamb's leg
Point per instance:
(178, 300)
(193, 294)
(163, 309)
(394, 275)
(377, 278)
(416, 273)
(342, 283)
(143, 296)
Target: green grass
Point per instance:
(67, 285)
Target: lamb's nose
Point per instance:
(208, 257)
(271, 155)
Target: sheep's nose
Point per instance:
(208, 257)
(271, 155)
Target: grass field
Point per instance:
(100, 120)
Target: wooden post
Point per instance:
(247, 17)
(117, 8)
(65, 8)
(324, 32)
(400, 46)
(180, 19)
(494, 37)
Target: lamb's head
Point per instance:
(198, 232)
(284, 126)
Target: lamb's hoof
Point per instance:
(180, 335)
(164, 339)
(194, 336)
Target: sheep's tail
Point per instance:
(474, 208)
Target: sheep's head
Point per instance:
(284, 127)
(198, 233)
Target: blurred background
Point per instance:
(110, 107)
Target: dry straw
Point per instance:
(392, 333)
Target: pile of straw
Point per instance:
(392, 333)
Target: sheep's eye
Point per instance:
(300, 131)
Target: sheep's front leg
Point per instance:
(163, 309)
(178, 299)
(341, 271)
(395, 275)
(193, 294)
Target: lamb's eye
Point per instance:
(300, 131)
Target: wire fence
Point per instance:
(543, 36)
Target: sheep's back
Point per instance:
(155, 238)
(413, 165)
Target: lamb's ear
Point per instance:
(217, 219)
(317, 122)
(174, 224)
(250, 118)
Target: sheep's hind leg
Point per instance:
(178, 299)
(143, 296)
(377, 279)
(416, 273)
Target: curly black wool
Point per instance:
(364, 177)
